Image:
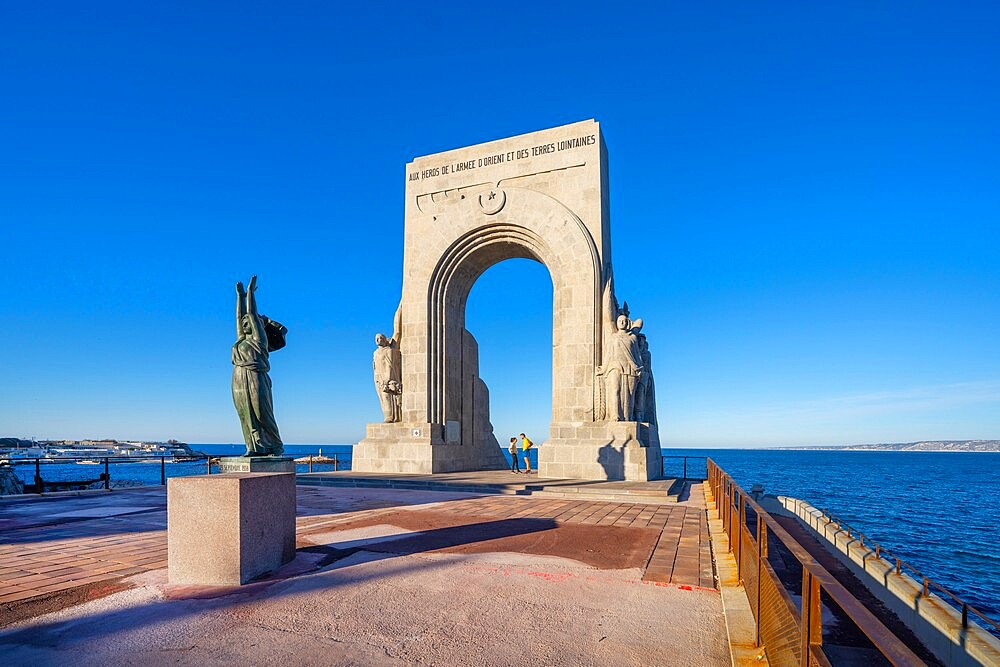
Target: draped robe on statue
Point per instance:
(623, 366)
(387, 364)
(252, 397)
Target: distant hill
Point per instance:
(922, 446)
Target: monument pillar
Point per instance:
(540, 196)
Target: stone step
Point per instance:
(636, 499)
(542, 490)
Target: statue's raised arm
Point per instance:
(397, 325)
(241, 308)
(610, 303)
(256, 324)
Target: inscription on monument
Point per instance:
(504, 157)
(234, 466)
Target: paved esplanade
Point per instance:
(380, 577)
(541, 196)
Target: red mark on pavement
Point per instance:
(551, 576)
(682, 587)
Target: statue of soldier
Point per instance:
(645, 404)
(622, 369)
(387, 364)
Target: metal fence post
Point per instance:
(310, 463)
(760, 570)
(107, 475)
(741, 519)
(335, 464)
(732, 510)
(39, 485)
(811, 616)
(685, 467)
(727, 505)
(163, 470)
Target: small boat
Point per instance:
(89, 462)
(314, 458)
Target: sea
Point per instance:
(938, 511)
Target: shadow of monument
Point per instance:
(50, 519)
(438, 539)
(81, 527)
(302, 575)
(613, 462)
(685, 493)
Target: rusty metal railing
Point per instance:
(884, 554)
(790, 634)
(104, 479)
(39, 484)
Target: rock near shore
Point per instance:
(10, 484)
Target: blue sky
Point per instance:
(805, 205)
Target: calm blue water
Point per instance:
(937, 511)
(148, 472)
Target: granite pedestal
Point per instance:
(230, 528)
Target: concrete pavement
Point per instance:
(387, 577)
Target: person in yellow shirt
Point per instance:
(525, 446)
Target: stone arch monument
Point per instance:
(540, 196)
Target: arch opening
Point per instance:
(460, 267)
(509, 313)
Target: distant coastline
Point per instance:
(19, 448)
(921, 446)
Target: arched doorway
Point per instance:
(551, 206)
(509, 312)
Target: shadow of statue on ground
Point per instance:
(310, 571)
(613, 462)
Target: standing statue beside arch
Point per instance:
(256, 337)
(387, 364)
(622, 365)
(645, 398)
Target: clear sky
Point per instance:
(805, 207)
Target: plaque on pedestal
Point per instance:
(256, 464)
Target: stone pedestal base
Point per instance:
(225, 530)
(421, 448)
(602, 450)
(256, 464)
